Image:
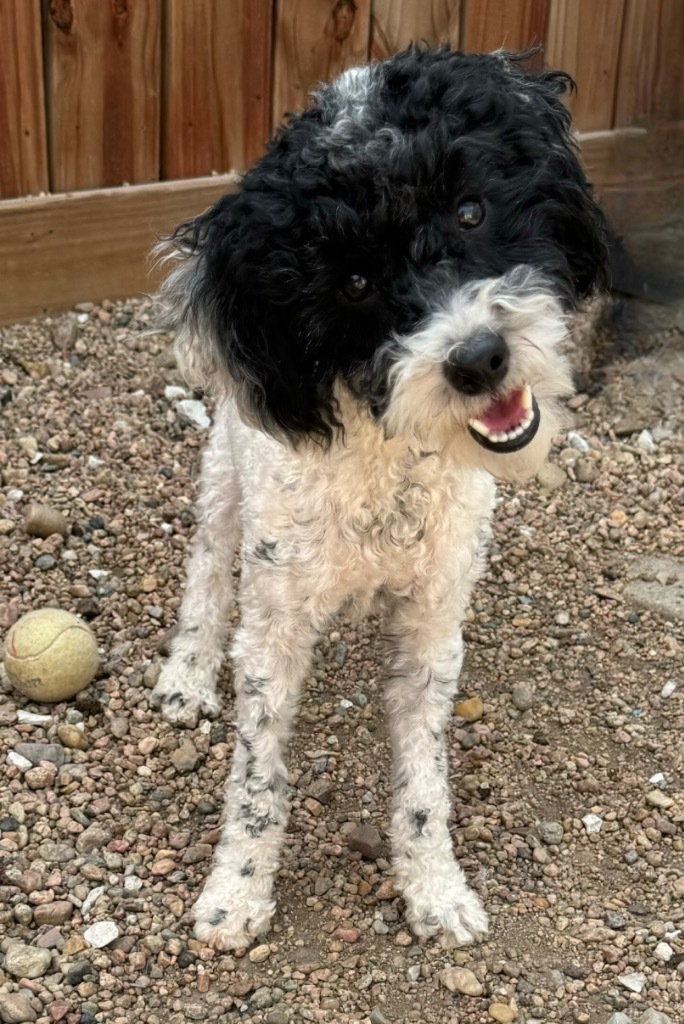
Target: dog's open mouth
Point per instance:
(508, 423)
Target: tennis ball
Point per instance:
(50, 655)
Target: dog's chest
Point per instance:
(367, 517)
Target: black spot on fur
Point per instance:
(191, 629)
(247, 869)
(419, 820)
(254, 686)
(176, 698)
(191, 659)
(265, 550)
(218, 916)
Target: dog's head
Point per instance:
(417, 237)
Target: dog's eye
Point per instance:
(357, 287)
(470, 213)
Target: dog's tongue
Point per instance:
(504, 413)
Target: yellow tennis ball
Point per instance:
(50, 655)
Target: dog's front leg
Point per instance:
(425, 659)
(271, 653)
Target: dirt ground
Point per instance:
(568, 787)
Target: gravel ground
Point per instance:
(567, 764)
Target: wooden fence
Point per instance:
(116, 112)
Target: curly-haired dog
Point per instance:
(379, 311)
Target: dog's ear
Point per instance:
(193, 303)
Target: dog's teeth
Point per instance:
(526, 400)
(481, 428)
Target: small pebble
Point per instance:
(459, 979)
(43, 521)
(668, 688)
(471, 709)
(259, 954)
(634, 982)
(502, 1012)
(101, 933)
(592, 823)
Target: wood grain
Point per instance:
(23, 140)
(60, 249)
(584, 40)
(104, 91)
(315, 40)
(217, 85)
(504, 24)
(396, 23)
(651, 77)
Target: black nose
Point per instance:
(478, 364)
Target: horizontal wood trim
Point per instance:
(629, 156)
(86, 246)
(59, 249)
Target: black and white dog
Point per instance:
(380, 312)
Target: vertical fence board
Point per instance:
(104, 91)
(23, 150)
(584, 39)
(315, 40)
(396, 23)
(217, 74)
(504, 24)
(651, 77)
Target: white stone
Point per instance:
(98, 574)
(619, 1018)
(90, 900)
(664, 951)
(576, 441)
(669, 688)
(101, 933)
(658, 780)
(93, 462)
(195, 411)
(132, 883)
(31, 718)
(634, 982)
(15, 494)
(592, 823)
(18, 761)
(172, 392)
(645, 441)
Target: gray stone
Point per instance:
(262, 998)
(377, 1017)
(657, 585)
(56, 853)
(634, 981)
(45, 562)
(94, 838)
(185, 758)
(278, 1017)
(37, 752)
(523, 696)
(550, 832)
(586, 471)
(16, 1009)
(619, 1018)
(652, 1016)
(23, 961)
(551, 477)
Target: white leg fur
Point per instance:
(187, 684)
(271, 654)
(425, 657)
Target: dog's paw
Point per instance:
(458, 918)
(185, 693)
(234, 926)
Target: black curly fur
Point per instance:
(377, 196)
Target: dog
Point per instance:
(380, 312)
